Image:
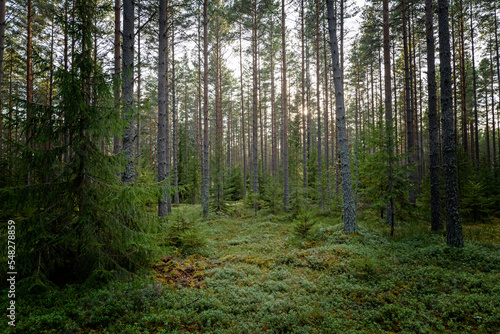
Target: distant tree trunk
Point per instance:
(493, 109)
(388, 115)
(243, 125)
(204, 183)
(488, 148)
(29, 61)
(350, 219)
(274, 129)
(498, 77)
(409, 111)
(476, 121)
(255, 104)
(175, 120)
(138, 140)
(463, 85)
(162, 105)
(284, 101)
(128, 90)
(2, 48)
(117, 45)
(304, 134)
(436, 218)
(318, 107)
(327, 135)
(453, 223)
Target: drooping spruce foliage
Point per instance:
(73, 215)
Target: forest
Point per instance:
(250, 166)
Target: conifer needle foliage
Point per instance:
(74, 217)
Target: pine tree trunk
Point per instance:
(204, 182)
(388, 116)
(162, 105)
(409, 111)
(453, 223)
(304, 134)
(2, 48)
(138, 140)
(128, 90)
(284, 99)
(243, 124)
(274, 130)
(493, 110)
(117, 61)
(498, 80)
(255, 105)
(463, 86)
(436, 218)
(318, 108)
(175, 120)
(476, 121)
(350, 219)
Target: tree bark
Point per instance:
(284, 99)
(350, 219)
(409, 111)
(162, 105)
(2, 48)
(436, 217)
(453, 223)
(388, 115)
(175, 120)
(304, 134)
(128, 90)
(243, 124)
(204, 183)
(318, 108)
(117, 72)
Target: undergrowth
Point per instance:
(252, 275)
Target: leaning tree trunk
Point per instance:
(453, 223)
(436, 219)
(128, 90)
(350, 219)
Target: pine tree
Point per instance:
(350, 219)
(453, 222)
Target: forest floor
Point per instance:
(255, 275)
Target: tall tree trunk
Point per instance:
(175, 120)
(243, 124)
(409, 111)
(117, 61)
(436, 218)
(453, 223)
(498, 80)
(2, 48)
(162, 105)
(302, 91)
(204, 183)
(350, 219)
(139, 60)
(327, 135)
(128, 90)
(476, 121)
(284, 101)
(388, 116)
(318, 108)
(493, 109)
(274, 129)
(463, 86)
(255, 105)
